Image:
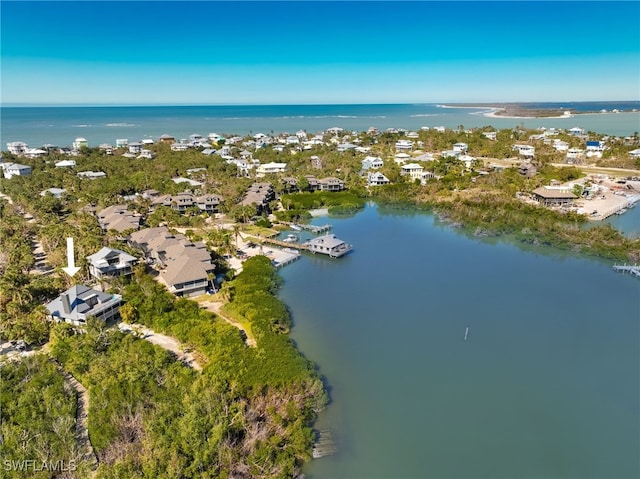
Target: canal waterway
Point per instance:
(546, 384)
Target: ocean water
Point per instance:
(545, 386)
(59, 126)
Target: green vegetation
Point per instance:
(249, 412)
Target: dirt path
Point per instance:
(215, 307)
(165, 342)
(85, 448)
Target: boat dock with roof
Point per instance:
(327, 244)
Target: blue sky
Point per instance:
(161, 52)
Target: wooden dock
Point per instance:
(633, 269)
(324, 444)
(285, 244)
(316, 230)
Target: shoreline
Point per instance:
(517, 111)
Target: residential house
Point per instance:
(17, 147)
(404, 145)
(166, 139)
(595, 149)
(401, 158)
(187, 277)
(329, 245)
(413, 170)
(55, 192)
(375, 178)
(270, 168)
(461, 147)
(15, 169)
(259, 195)
(110, 263)
(135, 148)
(92, 175)
(118, 218)
(342, 147)
(635, 153)
(122, 143)
(576, 131)
(66, 164)
(526, 151)
(554, 196)
(372, 162)
(34, 153)
(79, 143)
(180, 146)
(560, 145)
(80, 302)
(330, 184)
(490, 135)
(574, 155)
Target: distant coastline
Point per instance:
(532, 110)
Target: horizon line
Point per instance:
(122, 105)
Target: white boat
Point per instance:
(291, 238)
(296, 228)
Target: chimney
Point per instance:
(66, 305)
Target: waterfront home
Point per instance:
(413, 170)
(330, 183)
(313, 182)
(329, 245)
(110, 263)
(439, 129)
(634, 153)
(576, 131)
(376, 179)
(270, 168)
(187, 277)
(55, 192)
(15, 169)
(17, 147)
(80, 302)
(122, 142)
(554, 196)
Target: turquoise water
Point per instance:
(38, 126)
(546, 385)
